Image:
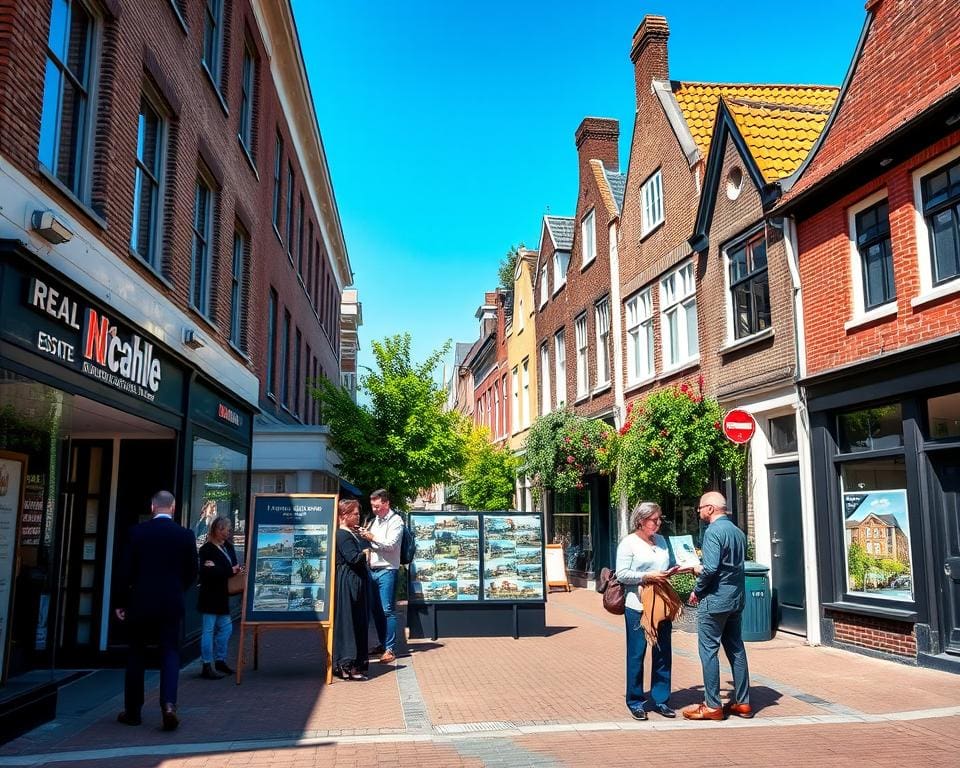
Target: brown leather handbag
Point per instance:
(614, 598)
(237, 583)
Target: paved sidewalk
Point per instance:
(541, 701)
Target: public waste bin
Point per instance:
(758, 609)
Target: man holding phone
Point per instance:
(384, 535)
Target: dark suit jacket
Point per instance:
(212, 596)
(720, 587)
(160, 564)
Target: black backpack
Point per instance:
(408, 547)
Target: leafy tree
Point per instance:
(508, 267)
(403, 440)
(488, 478)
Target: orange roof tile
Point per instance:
(779, 136)
(698, 103)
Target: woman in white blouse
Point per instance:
(644, 558)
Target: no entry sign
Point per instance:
(739, 426)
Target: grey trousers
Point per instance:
(714, 630)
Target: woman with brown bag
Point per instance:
(644, 563)
(218, 562)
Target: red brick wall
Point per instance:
(824, 246)
(145, 41)
(896, 637)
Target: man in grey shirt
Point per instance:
(720, 593)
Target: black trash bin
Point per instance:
(758, 610)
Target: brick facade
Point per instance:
(885, 635)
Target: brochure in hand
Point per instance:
(684, 553)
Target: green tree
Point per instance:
(489, 475)
(403, 440)
(858, 563)
(508, 267)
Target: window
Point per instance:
(200, 255)
(277, 166)
(749, 290)
(515, 399)
(678, 301)
(520, 315)
(601, 315)
(941, 211)
(271, 342)
(297, 382)
(289, 226)
(498, 421)
(876, 256)
(307, 385)
(65, 131)
(309, 278)
(284, 360)
(783, 434)
(651, 196)
(870, 429)
(525, 396)
(561, 260)
(560, 358)
(580, 335)
(640, 337)
(213, 38)
(300, 238)
(247, 95)
(544, 379)
(588, 238)
(145, 231)
(238, 298)
(544, 290)
(943, 416)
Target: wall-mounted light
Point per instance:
(884, 162)
(192, 339)
(50, 228)
(953, 119)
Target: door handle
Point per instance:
(951, 567)
(775, 541)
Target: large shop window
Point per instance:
(219, 489)
(571, 527)
(876, 528)
(943, 416)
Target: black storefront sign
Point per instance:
(60, 323)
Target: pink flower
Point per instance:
(684, 387)
(570, 459)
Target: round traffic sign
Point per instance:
(739, 426)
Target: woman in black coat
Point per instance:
(350, 614)
(218, 562)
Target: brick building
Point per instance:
(172, 262)
(487, 362)
(876, 209)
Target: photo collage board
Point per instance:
(472, 556)
(290, 558)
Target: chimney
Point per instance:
(649, 54)
(597, 140)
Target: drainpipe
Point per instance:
(620, 409)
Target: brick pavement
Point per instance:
(542, 701)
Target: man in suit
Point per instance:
(159, 565)
(720, 594)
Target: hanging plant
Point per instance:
(671, 443)
(562, 447)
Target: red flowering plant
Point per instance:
(671, 443)
(562, 447)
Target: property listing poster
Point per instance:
(446, 566)
(513, 557)
(291, 572)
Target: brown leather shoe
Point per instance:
(388, 657)
(703, 712)
(740, 710)
(127, 719)
(169, 716)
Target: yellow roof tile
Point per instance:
(780, 123)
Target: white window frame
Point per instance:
(678, 294)
(858, 314)
(560, 366)
(525, 393)
(560, 274)
(515, 399)
(588, 239)
(544, 288)
(545, 392)
(640, 351)
(601, 325)
(583, 356)
(154, 179)
(929, 292)
(651, 203)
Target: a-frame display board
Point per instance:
(291, 550)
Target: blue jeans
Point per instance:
(216, 635)
(383, 583)
(661, 659)
(714, 630)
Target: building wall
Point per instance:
(522, 343)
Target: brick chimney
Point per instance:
(649, 54)
(597, 139)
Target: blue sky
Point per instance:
(449, 126)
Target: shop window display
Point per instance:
(571, 527)
(219, 489)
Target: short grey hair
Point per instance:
(642, 511)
